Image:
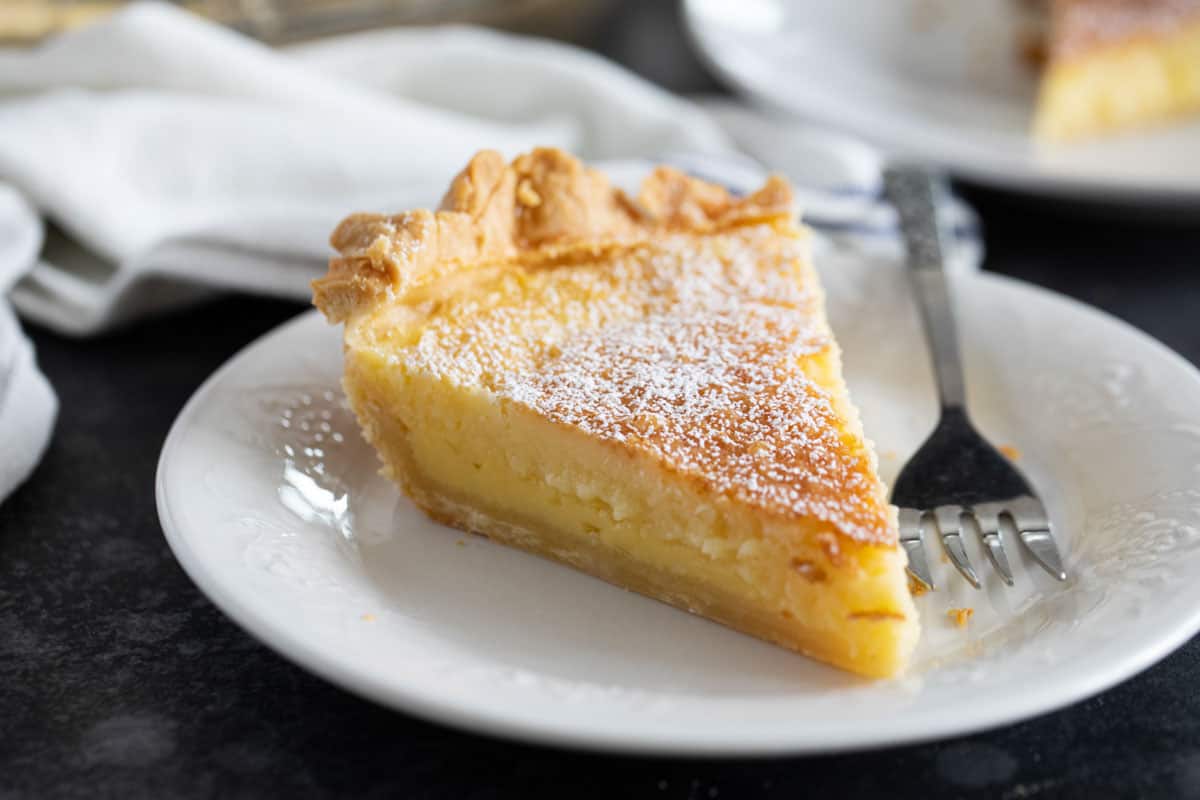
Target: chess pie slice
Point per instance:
(646, 390)
(1115, 64)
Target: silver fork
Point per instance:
(956, 475)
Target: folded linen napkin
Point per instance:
(27, 404)
(173, 157)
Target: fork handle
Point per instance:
(914, 192)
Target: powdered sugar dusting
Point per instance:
(687, 349)
(1083, 24)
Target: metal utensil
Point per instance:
(957, 479)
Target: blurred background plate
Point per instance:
(941, 81)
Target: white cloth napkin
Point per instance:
(27, 404)
(174, 157)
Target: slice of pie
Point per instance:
(644, 390)
(1115, 64)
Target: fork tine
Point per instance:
(910, 537)
(1034, 529)
(989, 532)
(1045, 552)
(949, 522)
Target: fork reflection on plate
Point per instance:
(956, 475)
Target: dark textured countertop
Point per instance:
(119, 679)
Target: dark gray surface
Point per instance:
(118, 679)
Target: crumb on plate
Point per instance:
(916, 588)
(1010, 452)
(960, 616)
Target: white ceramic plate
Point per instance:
(937, 80)
(271, 502)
